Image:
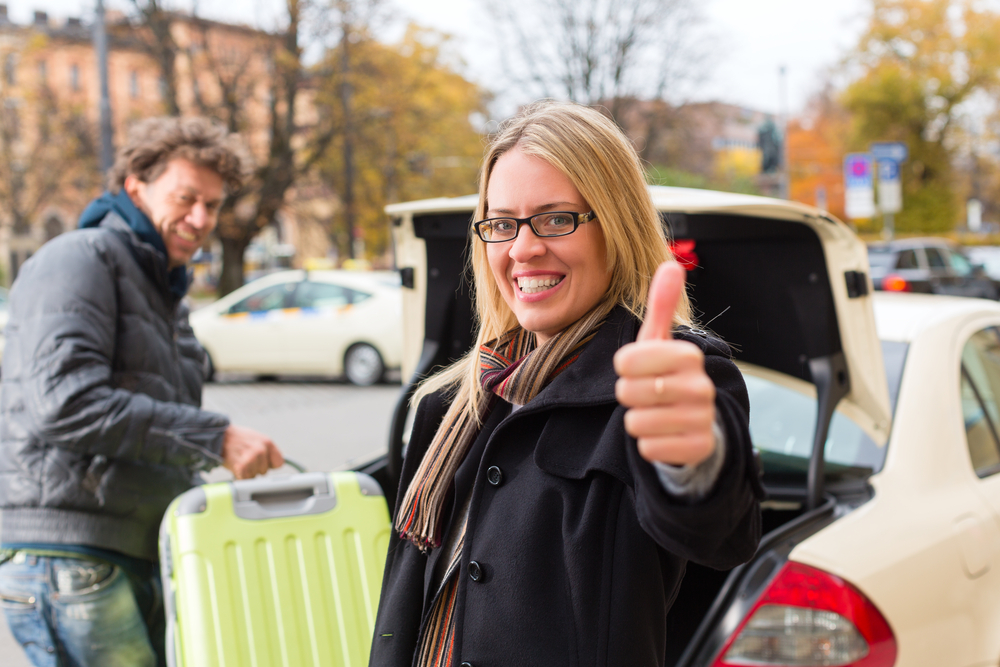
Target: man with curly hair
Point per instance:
(100, 418)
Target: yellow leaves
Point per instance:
(919, 62)
(409, 124)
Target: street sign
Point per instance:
(889, 151)
(859, 193)
(890, 191)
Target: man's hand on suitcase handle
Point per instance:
(247, 453)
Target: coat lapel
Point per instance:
(575, 442)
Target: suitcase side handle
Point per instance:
(309, 493)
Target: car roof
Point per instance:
(903, 317)
(917, 242)
(681, 200)
(361, 280)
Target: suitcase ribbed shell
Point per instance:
(274, 572)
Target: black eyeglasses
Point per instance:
(546, 225)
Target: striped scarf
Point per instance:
(510, 367)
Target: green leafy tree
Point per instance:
(920, 64)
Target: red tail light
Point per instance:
(683, 250)
(895, 283)
(808, 618)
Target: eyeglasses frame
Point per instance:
(578, 219)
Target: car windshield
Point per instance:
(783, 420)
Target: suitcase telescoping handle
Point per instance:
(273, 497)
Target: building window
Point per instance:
(10, 69)
(74, 77)
(43, 72)
(133, 84)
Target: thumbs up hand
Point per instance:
(662, 381)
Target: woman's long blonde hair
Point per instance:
(604, 167)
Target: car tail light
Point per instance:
(683, 250)
(895, 283)
(808, 618)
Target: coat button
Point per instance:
(466, 664)
(494, 475)
(475, 572)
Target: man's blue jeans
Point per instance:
(71, 612)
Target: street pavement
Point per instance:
(323, 425)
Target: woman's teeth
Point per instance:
(533, 285)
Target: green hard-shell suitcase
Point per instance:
(274, 571)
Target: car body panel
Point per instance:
(932, 529)
(302, 340)
(841, 247)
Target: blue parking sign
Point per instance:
(888, 171)
(889, 151)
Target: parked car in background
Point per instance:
(989, 257)
(928, 265)
(306, 323)
(881, 527)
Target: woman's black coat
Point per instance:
(579, 549)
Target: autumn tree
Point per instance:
(47, 156)
(921, 64)
(410, 127)
(158, 41)
(816, 148)
(254, 84)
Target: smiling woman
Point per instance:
(548, 283)
(560, 474)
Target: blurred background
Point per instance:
(350, 105)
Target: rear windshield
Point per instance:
(782, 423)
(882, 258)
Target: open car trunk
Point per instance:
(774, 279)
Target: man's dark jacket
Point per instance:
(579, 551)
(99, 420)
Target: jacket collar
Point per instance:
(150, 259)
(590, 380)
(585, 441)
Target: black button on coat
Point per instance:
(584, 549)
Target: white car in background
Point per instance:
(306, 323)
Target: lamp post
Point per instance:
(101, 48)
(783, 113)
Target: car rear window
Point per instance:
(783, 421)
(882, 258)
(908, 260)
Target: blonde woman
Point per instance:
(561, 474)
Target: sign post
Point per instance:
(890, 190)
(859, 193)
